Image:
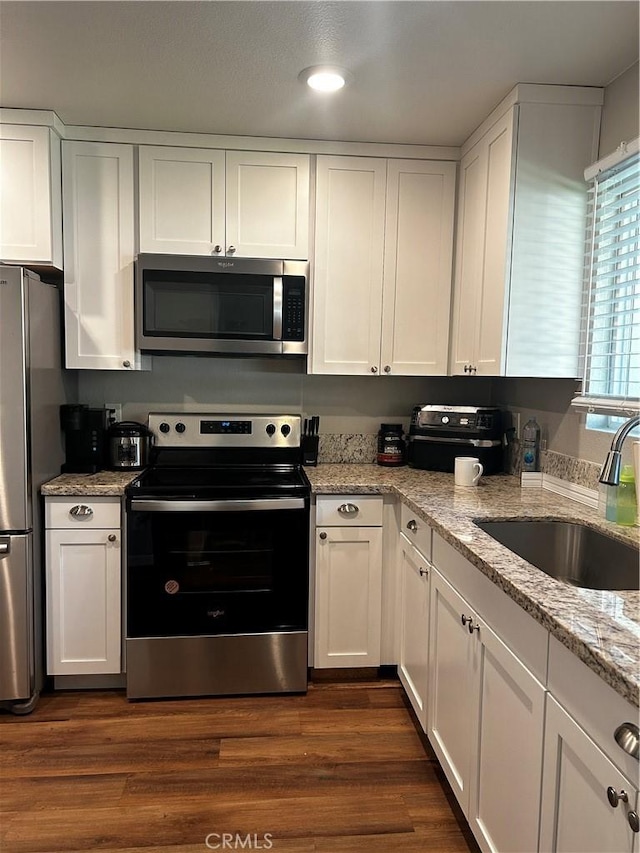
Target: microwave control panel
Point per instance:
(293, 309)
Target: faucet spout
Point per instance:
(610, 473)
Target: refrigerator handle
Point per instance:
(5, 547)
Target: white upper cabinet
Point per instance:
(383, 257)
(268, 205)
(418, 259)
(349, 255)
(210, 202)
(181, 200)
(30, 196)
(98, 255)
(520, 237)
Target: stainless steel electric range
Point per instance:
(217, 558)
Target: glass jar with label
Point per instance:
(391, 446)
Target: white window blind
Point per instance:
(611, 322)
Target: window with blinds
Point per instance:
(612, 292)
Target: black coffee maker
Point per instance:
(85, 434)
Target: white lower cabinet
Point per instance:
(485, 715)
(413, 657)
(579, 779)
(83, 588)
(348, 593)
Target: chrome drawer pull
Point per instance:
(412, 525)
(627, 737)
(348, 509)
(81, 511)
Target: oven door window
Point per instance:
(217, 572)
(195, 305)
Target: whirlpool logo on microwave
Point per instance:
(225, 265)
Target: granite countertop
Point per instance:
(602, 628)
(89, 485)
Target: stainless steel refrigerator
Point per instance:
(31, 391)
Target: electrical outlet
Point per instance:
(115, 412)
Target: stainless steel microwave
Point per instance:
(226, 306)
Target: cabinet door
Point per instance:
(413, 658)
(347, 307)
(30, 198)
(348, 596)
(468, 275)
(98, 201)
(83, 602)
(576, 813)
(496, 260)
(507, 740)
(267, 205)
(451, 704)
(418, 257)
(182, 204)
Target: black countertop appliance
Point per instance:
(439, 433)
(85, 439)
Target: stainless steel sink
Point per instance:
(570, 552)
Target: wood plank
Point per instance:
(330, 721)
(315, 749)
(108, 758)
(281, 780)
(220, 722)
(46, 792)
(189, 823)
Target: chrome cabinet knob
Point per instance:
(387, 368)
(112, 537)
(217, 249)
(348, 509)
(634, 821)
(126, 363)
(374, 369)
(412, 525)
(323, 536)
(466, 368)
(472, 627)
(473, 369)
(81, 511)
(231, 250)
(464, 619)
(424, 572)
(616, 797)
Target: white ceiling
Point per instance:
(425, 72)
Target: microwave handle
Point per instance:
(277, 308)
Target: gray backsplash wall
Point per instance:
(346, 404)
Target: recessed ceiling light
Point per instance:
(325, 78)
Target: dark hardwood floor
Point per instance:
(342, 768)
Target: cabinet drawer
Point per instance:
(349, 510)
(416, 530)
(69, 512)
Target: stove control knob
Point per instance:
(180, 427)
(445, 419)
(164, 427)
(285, 429)
(271, 428)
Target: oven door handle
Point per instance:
(141, 505)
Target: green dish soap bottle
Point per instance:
(626, 506)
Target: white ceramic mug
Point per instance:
(467, 471)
